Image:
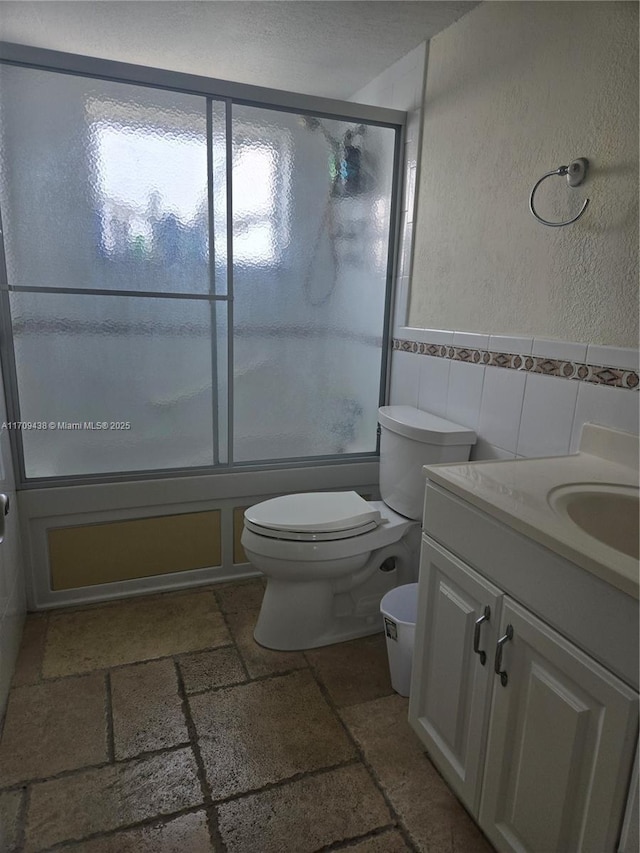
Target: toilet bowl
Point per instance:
(309, 599)
(329, 557)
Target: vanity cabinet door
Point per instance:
(451, 683)
(630, 838)
(561, 742)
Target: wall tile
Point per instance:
(401, 300)
(484, 451)
(562, 350)
(598, 404)
(407, 242)
(413, 125)
(505, 343)
(465, 393)
(513, 411)
(405, 378)
(613, 356)
(547, 416)
(429, 336)
(470, 340)
(501, 407)
(411, 156)
(434, 381)
(409, 193)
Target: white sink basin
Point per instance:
(607, 512)
(583, 506)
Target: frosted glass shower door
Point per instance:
(192, 280)
(311, 239)
(118, 308)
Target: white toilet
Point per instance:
(329, 557)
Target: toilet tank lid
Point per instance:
(313, 512)
(423, 426)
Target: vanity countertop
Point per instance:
(517, 492)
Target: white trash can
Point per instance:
(399, 608)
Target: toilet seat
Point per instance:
(313, 517)
(298, 536)
(297, 554)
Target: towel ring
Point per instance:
(576, 173)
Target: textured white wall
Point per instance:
(515, 90)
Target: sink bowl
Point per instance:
(607, 512)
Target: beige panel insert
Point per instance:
(123, 550)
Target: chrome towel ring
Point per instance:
(576, 173)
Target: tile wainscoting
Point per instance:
(523, 396)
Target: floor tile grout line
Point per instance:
(149, 595)
(346, 843)
(43, 650)
(211, 812)
(118, 666)
(406, 836)
(139, 756)
(216, 688)
(231, 634)
(213, 589)
(63, 774)
(22, 818)
(3, 720)
(251, 678)
(462, 805)
(111, 738)
(158, 819)
(281, 783)
(45, 642)
(358, 759)
(175, 656)
(255, 680)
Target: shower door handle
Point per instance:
(5, 506)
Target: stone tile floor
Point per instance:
(158, 725)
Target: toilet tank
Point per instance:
(409, 439)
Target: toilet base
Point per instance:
(284, 629)
(298, 615)
(338, 636)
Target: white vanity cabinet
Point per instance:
(454, 645)
(561, 736)
(537, 740)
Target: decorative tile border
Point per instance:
(582, 372)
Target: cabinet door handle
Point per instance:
(504, 678)
(476, 634)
